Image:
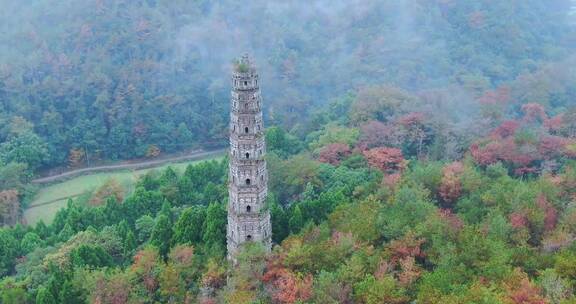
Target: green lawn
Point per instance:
(58, 194)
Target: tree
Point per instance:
(171, 287)
(296, 221)
(281, 143)
(287, 287)
(129, 244)
(30, 242)
(25, 148)
(44, 296)
(93, 256)
(69, 294)
(375, 134)
(8, 251)
(520, 290)
(66, 233)
(9, 207)
(153, 151)
(166, 210)
(450, 186)
(15, 295)
(334, 153)
(111, 188)
(144, 227)
(279, 220)
(215, 225)
(383, 290)
(379, 103)
(330, 290)
(333, 133)
(76, 157)
(188, 227)
(162, 234)
(14, 176)
(389, 160)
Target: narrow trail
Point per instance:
(56, 200)
(197, 155)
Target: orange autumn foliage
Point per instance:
(389, 160)
(450, 186)
(285, 286)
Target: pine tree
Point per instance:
(44, 296)
(215, 225)
(68, 294)
(188, 228)
(123, 229)
(162, 234)
(280, 228)
(296, 220)
(167, 210)
(66, 233)
(129, 244)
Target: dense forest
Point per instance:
(419, 151)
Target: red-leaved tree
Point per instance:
(450, 186)
(334, 153)
(389, 160)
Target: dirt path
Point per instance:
(198, 155)
(56, 200)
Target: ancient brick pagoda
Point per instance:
(248, 217)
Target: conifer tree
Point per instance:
(44, 296)
(296, 220)
(162, 234)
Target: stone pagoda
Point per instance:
(248, 217)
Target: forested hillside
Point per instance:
(418, 151)
(124, 79)
(361, 213)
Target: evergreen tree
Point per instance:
(279, 221)
(123, 229)
(129, 244)
(66, 233)
(93, 256)
(15, 295)
(215, 225)
(44, 296)
(166, 210)
(162, 234)
(144, 227)
(69, 295)
(30, 241)
(296, 221)
(189, 227)
(41, 229)
(8, 251)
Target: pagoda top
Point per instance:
(244, 65)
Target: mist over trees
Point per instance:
(124, 79)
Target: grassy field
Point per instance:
(53, 197)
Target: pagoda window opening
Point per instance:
(248, 181)
(246, 130)
(245, 83)
(247, 155)
(248, 209)
(249, 238)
